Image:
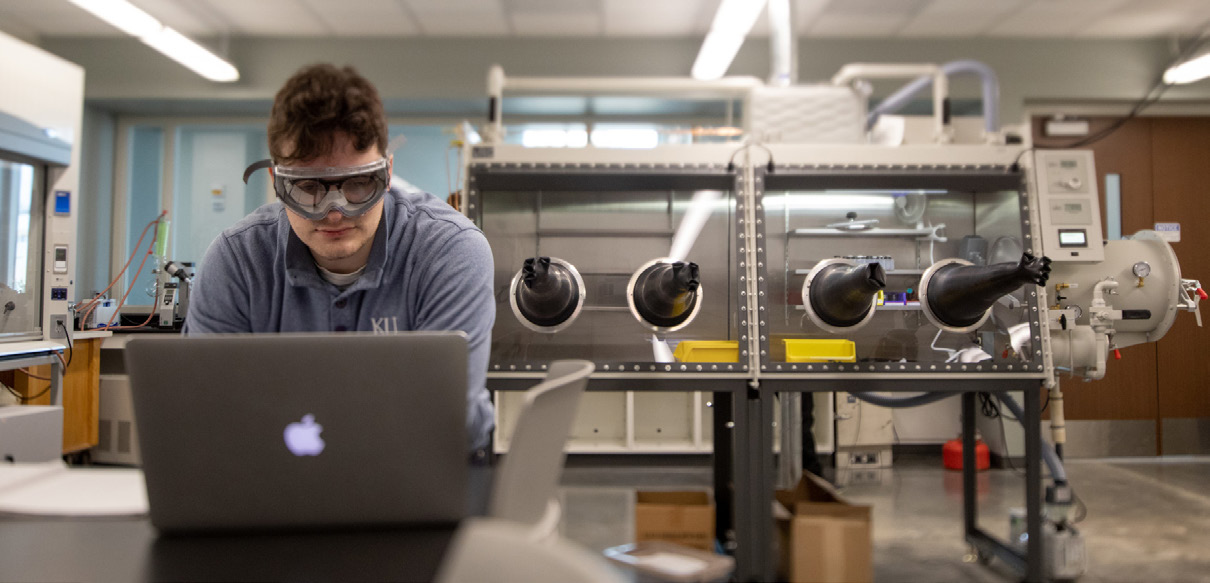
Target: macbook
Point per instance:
(314, 431)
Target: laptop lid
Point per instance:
(321, 430)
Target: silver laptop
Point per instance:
(309, 431)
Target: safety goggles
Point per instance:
(313, 192)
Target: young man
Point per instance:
(342, 251)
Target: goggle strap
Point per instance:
(256, 166)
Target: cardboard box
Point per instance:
(823, 537)
(684, 518)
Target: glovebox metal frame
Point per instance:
(744, 464)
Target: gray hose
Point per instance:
(991, 93)
(1057, 473)
(893, 402)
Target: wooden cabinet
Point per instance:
(81, 391)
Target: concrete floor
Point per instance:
(1148, 519)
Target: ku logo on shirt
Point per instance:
(385, 325)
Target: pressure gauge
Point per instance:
(1141, 269)
(1078, 311)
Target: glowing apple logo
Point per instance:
(303, 438)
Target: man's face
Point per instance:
(339, 244)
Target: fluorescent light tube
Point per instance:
(716, 54)
(732, 23)
(1191, 70)
(145, 27)
(197, 58)
(123, 15)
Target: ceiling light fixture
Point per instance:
(134, 21)
(732, 23)
(1189, 70)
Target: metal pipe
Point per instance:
(498, 82)
(495, 104)
(1048, 453)
(685, 86)
(991, 94)
(781, 44)
(941, 110)
(1058, 425)
(1057, 472)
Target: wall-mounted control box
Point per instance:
(1069, 206)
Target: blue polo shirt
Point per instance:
(430, 268)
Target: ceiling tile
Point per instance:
(1164, 17)
(618, 25)
(875, 7)
(468, 7)
(459, 17)
(852, 25)
(74, 22)
(355, 18)
(1054, 18)
(270, 17)
(189, 18)
(1135, 25)
(658, 17)
(958, 18)
(361, 25)
(556, 24)
(622, 18)
(536, 6)
(761, 26)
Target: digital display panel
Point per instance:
(1073, 238)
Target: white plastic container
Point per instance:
(104, 312)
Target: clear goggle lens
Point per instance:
(313, 192)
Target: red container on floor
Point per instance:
(951, 455)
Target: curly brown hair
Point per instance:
(315, 104)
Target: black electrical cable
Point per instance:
(990, 408)
(14, 393)
(1016, 165)
(25, 399)
(731, 160)
(1158, 88)
(71, 349)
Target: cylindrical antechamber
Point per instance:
(547, 294)
(957, 296)
(665, 295)
(840, 295)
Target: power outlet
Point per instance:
(58, 326)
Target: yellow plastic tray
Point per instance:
(820, 350)
(707, 351)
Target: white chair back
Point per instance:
(527, 479)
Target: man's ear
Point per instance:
(391, 164)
